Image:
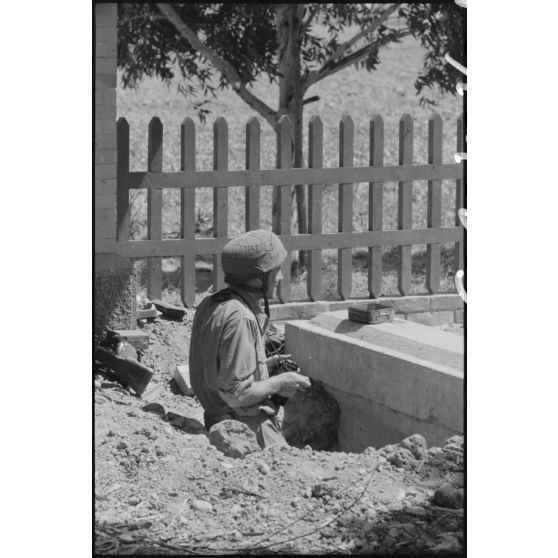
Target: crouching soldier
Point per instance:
(229, 371)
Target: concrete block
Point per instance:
(136, 337)
(106, 33)
(105, 49)
(105, 201)
(103, 156)
(105, 217)
(182, 379)
(432, 318)
(105, 13)
(105, 141)
(458, 316)
(103, 171)
(105, 80)
(105, 96)
(106, 112)
(105, 186)
(105, 126)
(105, 245)
(442, 302)
(391, 380)
(105, 65)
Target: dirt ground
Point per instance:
(161, 488)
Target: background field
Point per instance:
(388, 91)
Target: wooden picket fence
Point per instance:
(187, 179)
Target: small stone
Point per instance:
(400, 495)
(111, 433)
(400, 457)
(202, 506)
(320, 490)
(393, 532)
(122, 445)
(127, 539)
(447, 496)
(233, 438)
(236, 510)
(455, 442)
(226, 464)
(263, 468)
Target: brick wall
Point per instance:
(105, 125)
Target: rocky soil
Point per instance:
(162, 488)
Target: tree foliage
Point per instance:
(245, 36)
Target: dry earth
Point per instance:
(161, 488)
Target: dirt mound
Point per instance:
(162, 488)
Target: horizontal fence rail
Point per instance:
(283, 177)
(277, 177)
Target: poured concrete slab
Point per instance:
(391, 380)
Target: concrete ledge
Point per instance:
(394, 379)
(407, 305)
(432, 318)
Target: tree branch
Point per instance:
(345, 46)
(329, 70)
(221, 64)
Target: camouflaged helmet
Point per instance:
(252, 254)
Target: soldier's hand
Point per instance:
(291, 382)
(275, 362)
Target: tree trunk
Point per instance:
(289, 35)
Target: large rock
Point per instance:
(312, 418)
(233, 438)
(447, 496)
(416, 444)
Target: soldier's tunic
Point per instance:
(227, 354)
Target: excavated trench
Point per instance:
(373, 385)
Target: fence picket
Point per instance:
(345, 256)
(459, 195)
(315, 160)
(434, 207)
(188, 210)
(154, 206)
(122, 169)
(375, 206)
(284, 160)
(220, 195)
(252, 193)
(405, 204)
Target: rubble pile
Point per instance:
(164, 485)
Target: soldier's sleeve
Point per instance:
(237, 359)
